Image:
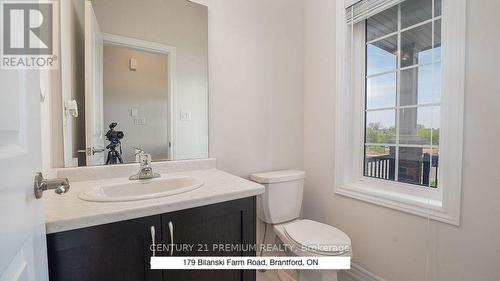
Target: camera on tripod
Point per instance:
(114, 138)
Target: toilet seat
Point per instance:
(317, 238)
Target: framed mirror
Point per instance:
(134, 77)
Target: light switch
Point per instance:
(134, 112)
(133, 64)
(139, 121)
(71, 108)
(185, 115)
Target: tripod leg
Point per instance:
(109, 159)
(119, 157)
(115, 157)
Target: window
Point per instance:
(403, 93)
(399, 97)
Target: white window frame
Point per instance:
(441, 204)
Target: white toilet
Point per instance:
(280, 207)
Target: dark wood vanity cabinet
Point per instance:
(121, 251)
(116, 251)
(214, 226)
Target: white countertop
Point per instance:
(68, 212)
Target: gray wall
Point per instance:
(145, 89)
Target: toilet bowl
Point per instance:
(313, 239)
(280, 207)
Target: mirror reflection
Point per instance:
(144, 81)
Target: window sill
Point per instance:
(423, 206)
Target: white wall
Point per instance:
(256, 84)
(392, 244)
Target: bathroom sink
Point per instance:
(140, 190)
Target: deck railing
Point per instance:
(380, 167)
(384, 167)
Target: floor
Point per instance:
(269, 275)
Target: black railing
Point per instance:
(384, 167)
(380, 167)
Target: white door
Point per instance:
(94, 120)
(23, 253)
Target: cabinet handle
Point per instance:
(153, 234)
(171, 228)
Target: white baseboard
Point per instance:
(358, 273)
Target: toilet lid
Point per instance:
(318, 237)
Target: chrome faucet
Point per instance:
(145, 170)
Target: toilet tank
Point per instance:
(282, 199)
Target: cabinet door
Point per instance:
(110, 252)
(225, 223)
